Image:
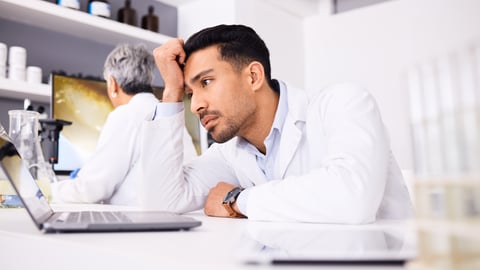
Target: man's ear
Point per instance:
(112, 87)
(256, 74)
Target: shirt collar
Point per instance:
(282, 109)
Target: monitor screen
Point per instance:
(85, 103)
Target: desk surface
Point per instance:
(214, 245)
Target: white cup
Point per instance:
(3, 71)
(34, 74)
(17, 56)
(16, 73)
(3, 54)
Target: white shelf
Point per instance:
(71, 22)
(21, 90)
(77, 23)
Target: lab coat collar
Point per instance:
(139, 97)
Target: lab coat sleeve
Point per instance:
(167, 183)
(347, 186)
(106, 169)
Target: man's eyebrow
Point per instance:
(200, 74)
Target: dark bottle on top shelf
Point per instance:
(127, 14)
(99, 8)
(150, 21)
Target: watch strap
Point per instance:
(230, 199)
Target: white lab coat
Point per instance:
(111, 175)
(334, 165)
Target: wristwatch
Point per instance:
(230, 199)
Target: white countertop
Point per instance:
(217, 244)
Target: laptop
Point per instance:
(48, 220)
(389, 244)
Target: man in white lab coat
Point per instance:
(280, 154)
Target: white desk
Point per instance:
(214, 245)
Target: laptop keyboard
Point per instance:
(97, 217)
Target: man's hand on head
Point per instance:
(169, 58)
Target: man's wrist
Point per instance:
(229, 202)
(171, 95)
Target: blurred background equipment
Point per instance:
(445, 124)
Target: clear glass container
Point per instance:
(24, 132)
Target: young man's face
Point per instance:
(221, 96)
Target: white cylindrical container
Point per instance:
(99, 8)
(75, 4)
(17, 56)
(16, 73)
(3, 54)
(34, 74)
(3, 71)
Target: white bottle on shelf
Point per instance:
(99, 8)
(3, 60)
(75, 4)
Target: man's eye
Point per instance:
(206, 82)
(189, 95)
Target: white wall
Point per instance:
(281, 31)
(196, 15)
(374, 45)
(283, 34)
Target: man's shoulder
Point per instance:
(344, 88)
(340, 93)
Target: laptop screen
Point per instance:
(22, 181)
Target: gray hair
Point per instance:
(132, 67)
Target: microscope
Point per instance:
(50, 134)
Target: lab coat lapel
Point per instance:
(288, 146)
(292, 128)
(250, 168)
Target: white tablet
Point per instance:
(383, 243)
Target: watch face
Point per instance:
(232, 195)
(228, 198)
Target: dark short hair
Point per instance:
(238, 44)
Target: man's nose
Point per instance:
(197, 104)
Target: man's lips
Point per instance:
(208, 121)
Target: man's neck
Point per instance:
(267, 103)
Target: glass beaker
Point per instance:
(24, 133)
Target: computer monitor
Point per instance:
(85, 103)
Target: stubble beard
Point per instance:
(231, 130)
(232, 126)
